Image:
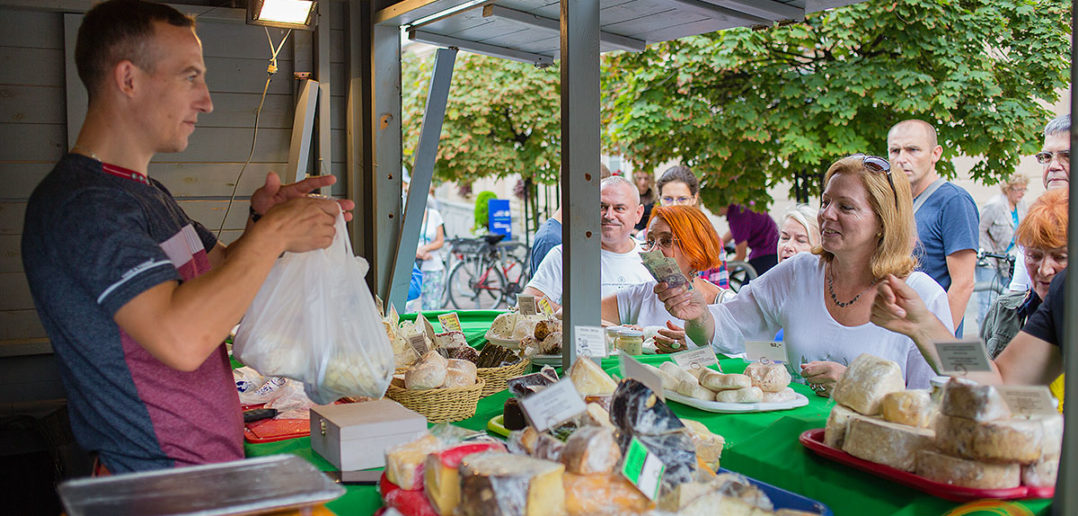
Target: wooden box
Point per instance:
(356, 435)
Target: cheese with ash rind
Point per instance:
(884, 442)
(607, 494)
(913, 408)
(589, 450)
(1005, 440)
(864, 384)
(965, 472)
(724, 382)
(769, 377)
(403, 463)
(441, 480)
(500, 484)
(971, 400)
(835, 431)
(590, 379)
(747, 395)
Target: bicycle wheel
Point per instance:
(740, 274)
(516, 277)
(476, 284)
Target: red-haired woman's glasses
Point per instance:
(664, 241)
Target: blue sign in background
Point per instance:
(499, 221)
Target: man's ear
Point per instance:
(125, 77)
(936, 153)
(639, 213)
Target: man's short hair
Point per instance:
(619, 180)
(1061, 124)
(933, 139)
(118, 30)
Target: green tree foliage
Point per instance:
(502, 118)
(482, 210)
(749, 108)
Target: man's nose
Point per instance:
(204, 104)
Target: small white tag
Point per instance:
(1028, 400)
(631, 368)
(552, 405)
(590, 341)
(962, 356)
(526, 304)
(702, 357)
(419, 344)
(449, 322)
(425, 326)
(759, 349)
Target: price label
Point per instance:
(393, 316)
(425, 325)
(963, 356)
(544, 305)
(643, 469)
(631, 368)
(526, 304)
(450, 322)
(553, 405)
(418, 343)
(761, 349)
(1028, 400)
(590, 341)
(702, 357)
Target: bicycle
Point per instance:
(1004, 271)
(741, 272)
(487, 272)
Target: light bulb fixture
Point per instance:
(285, 14)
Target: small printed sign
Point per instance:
(450, 322)
(963, 356)
(773, 351)
(643, 469)
(1028, 400)
(631, 368)
(526, 304)
(425, 325)
(418, 343)
(544, 305)
(702, 357)
(553, 405)
(590, 341)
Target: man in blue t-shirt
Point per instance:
(548, 236)
(947, 218)
(136, 297)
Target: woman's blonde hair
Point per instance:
(894, 210)
(806, 216)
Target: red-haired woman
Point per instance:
(685, 234)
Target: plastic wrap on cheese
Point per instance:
(884, 442)
(636, 411)
(591, 449)
(1005, 440)
(864, 384)
(500, 484)
(971, 400)
(966, 473)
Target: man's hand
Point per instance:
(301, 224)
(273, 193)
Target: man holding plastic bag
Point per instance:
(136, 297)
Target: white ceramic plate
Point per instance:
(716, 406)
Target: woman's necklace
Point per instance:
(834, 298)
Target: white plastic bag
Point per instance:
(314, 320)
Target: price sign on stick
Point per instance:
(590, 341)
(962, 356)
(526, 304)
(549, 407)
(418, 343)
(761, 349)
(702, 357)
(631, 368)
(1028, 400)
(450, 322)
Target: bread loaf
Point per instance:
(864, 384)
(971, 400)
(913, 408)
(546, 327)
(460, 373)
(1005, 440)
(724, 382)
(769, 377)
(551, 344)
(746, 395)
(428, 373)
(884, 442)
(966, 473)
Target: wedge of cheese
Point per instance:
(966, 473)
(864, 384)
(607, 494)
(590, 379)
(971, 400)
(589, 450)
(708, 445)
(500, 484)
(835, 432)
(441, 480)
(404, 463)
(1005, 440)
(884, 442)
(913, 408)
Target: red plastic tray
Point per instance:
(273, 430)
(813, 440)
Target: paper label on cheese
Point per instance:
(450, 322)
(962, 356)
(1028, 400)
(427, 327)
(631, 368)
(702, 357)
(418, 343)
(590, 341)
(526, 304)
(544, 305)
(643, 469)
(394, 317)
(553, 405)
(773, 351)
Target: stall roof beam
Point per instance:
(767, 9)
(532, 20)
(415, 12)
(711, 10)
(479, 48)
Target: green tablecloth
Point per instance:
(761, 445)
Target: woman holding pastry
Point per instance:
(823, 300)
(685, 234)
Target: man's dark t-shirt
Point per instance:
(1047, 322)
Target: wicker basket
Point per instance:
(497, 376)
(440, 405)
